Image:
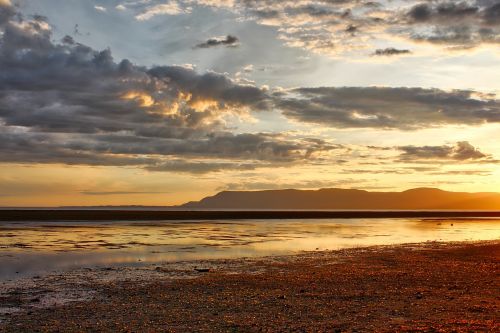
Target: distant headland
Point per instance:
(349, 199)
(286, 204)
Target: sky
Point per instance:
(159, 102)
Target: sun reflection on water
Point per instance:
(29, 247)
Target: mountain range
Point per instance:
(348, 199)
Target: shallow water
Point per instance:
(35, 248)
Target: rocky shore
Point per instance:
(439, 287)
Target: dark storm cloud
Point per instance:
(71, 87)
(184, 166)
(44, 148)
(492, 14)
(442, 11)
(389, 108)
(68, 40)
(462, 151)
(458, 23)
(29, 147)
(390, 51)
(351, 28)
(67, 103)
(6, 13)
(420, 12)
(156, 154)
(229, 40)
(210, 86)
(260, 146)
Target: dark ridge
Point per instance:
(348, 199)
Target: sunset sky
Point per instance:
(156, 102)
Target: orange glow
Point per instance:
(202, 105)
(182, 99)
(144, 100)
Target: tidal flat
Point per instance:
(37, 248)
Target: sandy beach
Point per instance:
(429, 286)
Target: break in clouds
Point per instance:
(64, 102)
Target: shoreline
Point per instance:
(19, 215)
(431, 285)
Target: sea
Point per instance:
(35, 248)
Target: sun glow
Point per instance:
(172, 107)
(143, 99)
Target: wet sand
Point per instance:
(414, 287)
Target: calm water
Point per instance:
(34, 248)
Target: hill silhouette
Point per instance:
(349, 199)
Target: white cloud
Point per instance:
(100, 8)
(171, 8)
(214, 3)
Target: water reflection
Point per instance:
(28, 248)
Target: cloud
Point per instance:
(100, 8)
(118, 192)
(390, 51)
(374, 171)
(455, 23)
(170, 8)
(343, 27)
(442, 11)
(229, 40)
(67, 103)
(302, 184)
(462, 173)
(201, 167)
(155, 153)
(6, 11)
(388, 108)
(462, 151)
(491, 15)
